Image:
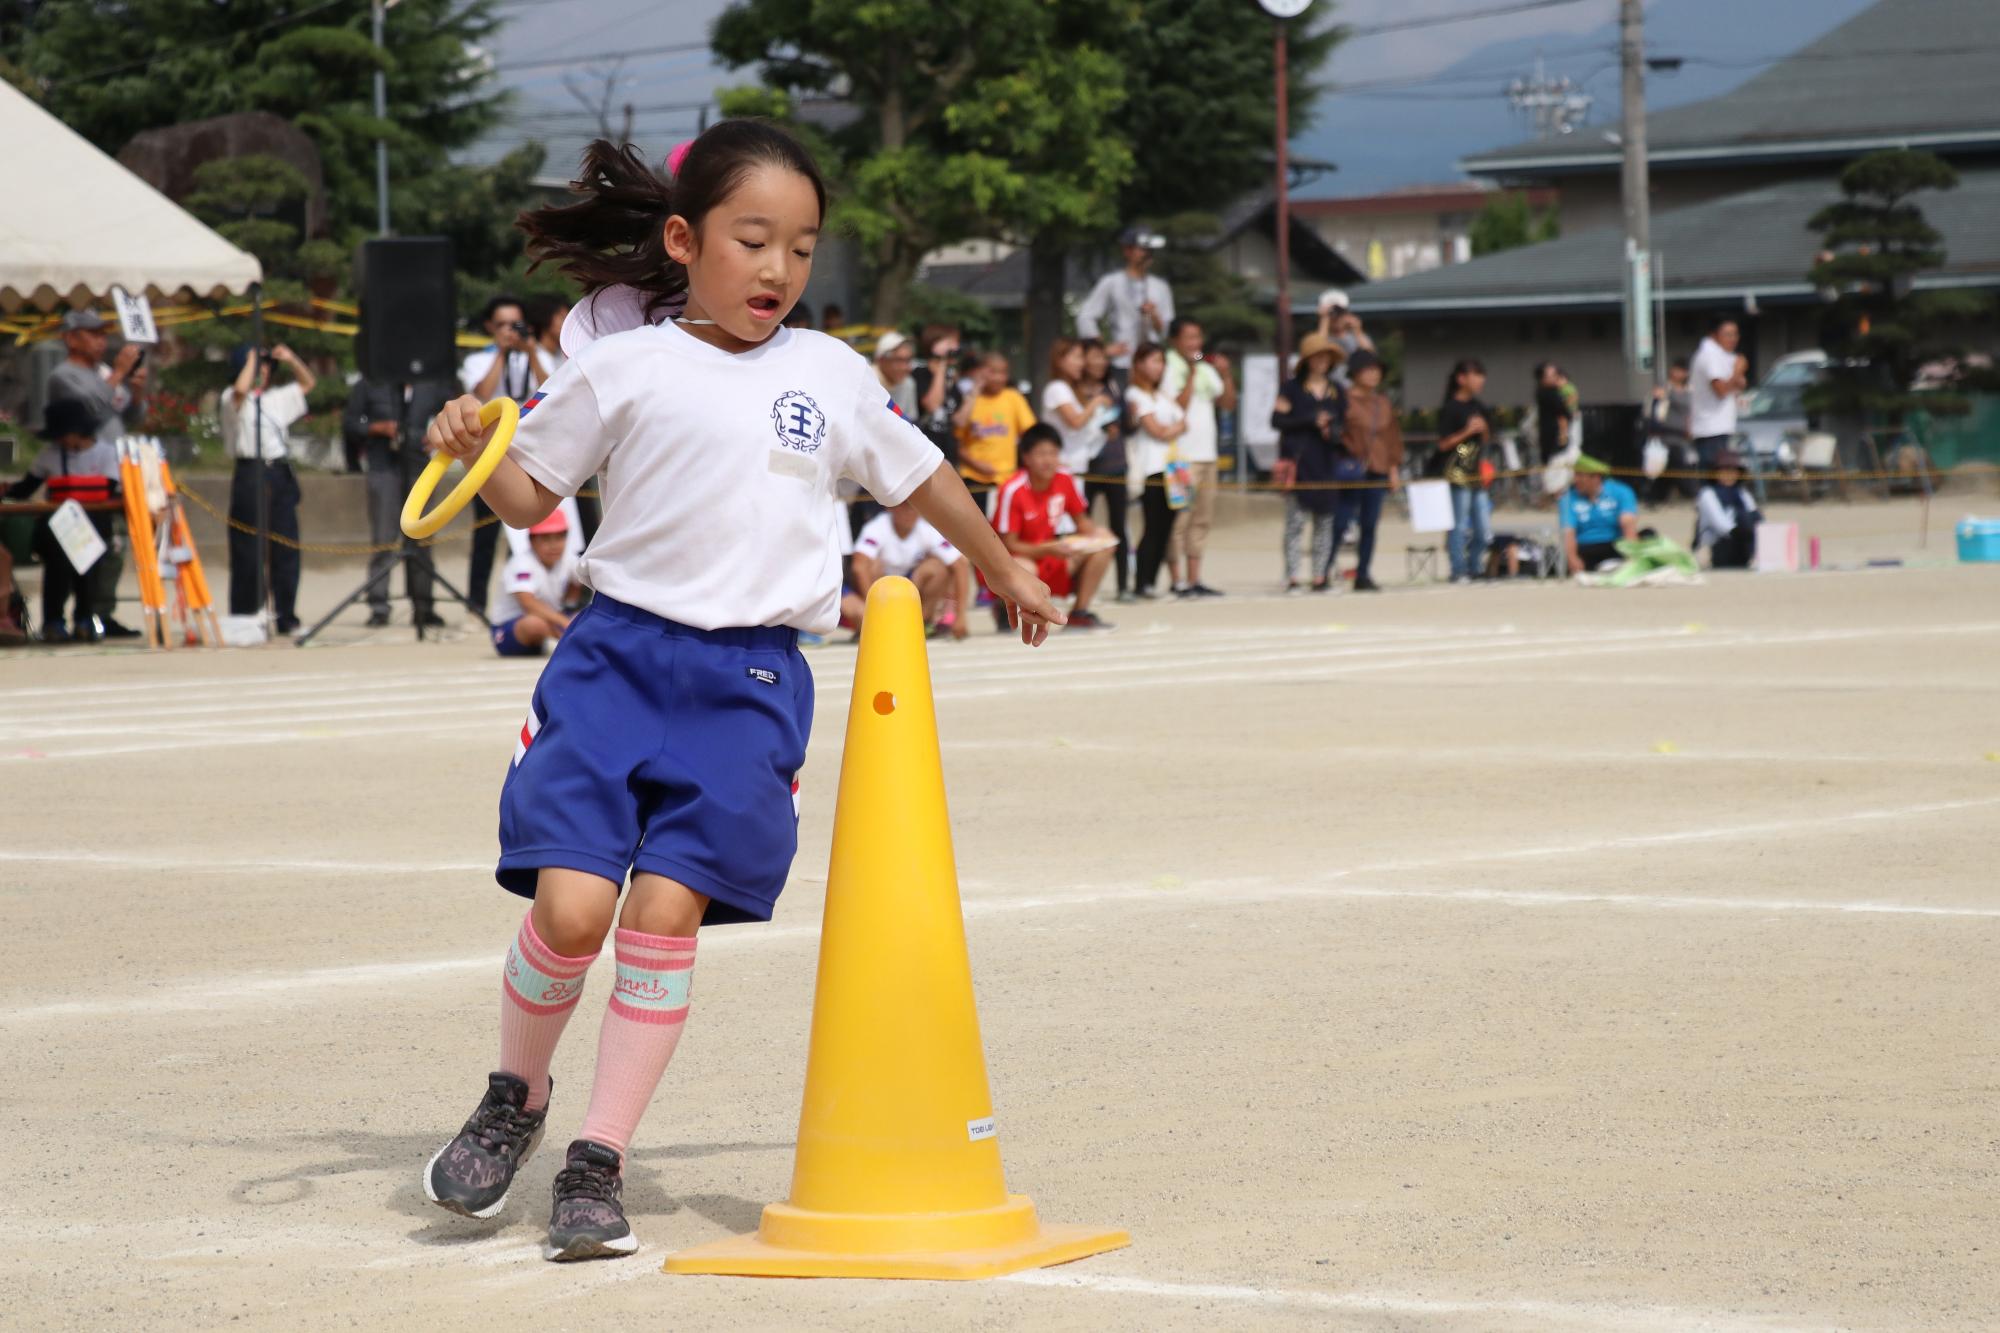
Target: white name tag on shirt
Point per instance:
(71, 528)
(788, 464)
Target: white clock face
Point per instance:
(1285, 9)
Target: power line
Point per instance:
(677, 48)
(1438, 20)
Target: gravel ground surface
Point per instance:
(1509, 957)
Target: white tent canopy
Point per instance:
(74, 224)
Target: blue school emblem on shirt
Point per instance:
(801, 425)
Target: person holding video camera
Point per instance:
(1138, 306)
(255, 422)
(513, 366)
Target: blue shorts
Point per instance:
(508, 644)
(650, 746)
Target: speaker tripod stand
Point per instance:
(397, 559)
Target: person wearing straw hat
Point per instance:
(1309, 413)
(1598, 511)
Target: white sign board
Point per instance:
(1253, 412)
(135, 316)
(71, 528)
(1430, 506)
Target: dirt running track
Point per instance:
(1497, 958)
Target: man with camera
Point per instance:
(513, 366)
(114, 396)
(384, 423)
(1138, 306)
(255, 422)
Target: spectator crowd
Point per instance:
(1129, 418)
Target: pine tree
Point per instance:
(1879, 329)
(112, 68)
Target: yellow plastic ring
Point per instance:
(416, 523)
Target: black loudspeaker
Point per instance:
(409, 309)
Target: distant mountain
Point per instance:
(1387, 138)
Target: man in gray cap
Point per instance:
(114, 393)
(1138, 306)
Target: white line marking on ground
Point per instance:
(1542, 1312)
(242, 864)
(219, 993)
(1709, 834)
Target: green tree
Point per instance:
(1199, 119)
(1879, 330)
(112, 68)
(1508, 223)
(972, 118)
(1206, 289)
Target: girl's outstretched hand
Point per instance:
(455, 431)
(1030, 609)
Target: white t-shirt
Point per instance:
(524, 573)
(516, 382)
(1079, 444)
(282, 406)
(1707, 414)
(897, 554)
(1145, 453)
(1199, 444)
(719, 469)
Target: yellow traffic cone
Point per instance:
(898, 1166)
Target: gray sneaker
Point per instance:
(588, 1220)
(471, 1174)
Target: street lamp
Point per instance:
(380, 7)
(1281, 12)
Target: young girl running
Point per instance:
(666, 734)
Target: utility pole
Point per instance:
(1641, 355)
(1282, 12)
(378, 8)
(1284, 217)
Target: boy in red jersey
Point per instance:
(1042, 517)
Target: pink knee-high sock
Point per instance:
(642, 1025)
(537, 995)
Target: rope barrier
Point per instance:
(1885, 474)
(983, 487)
(321, 548)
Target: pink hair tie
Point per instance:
(678, 155)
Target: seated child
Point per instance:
(898, 542)
(542, 583)
(1035, 510)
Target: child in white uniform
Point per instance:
(666, 734)
(537, 588)
(899, 542)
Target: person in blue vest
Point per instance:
(1598, 511)
(1727, 515)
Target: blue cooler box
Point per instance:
(1979, 539)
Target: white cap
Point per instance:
(888, 343)
(1332, 297)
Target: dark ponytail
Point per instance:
(614, 233)
(1451, 380)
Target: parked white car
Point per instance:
(1772, 417)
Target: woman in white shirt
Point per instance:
(1157, 421)
(1078, 422)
